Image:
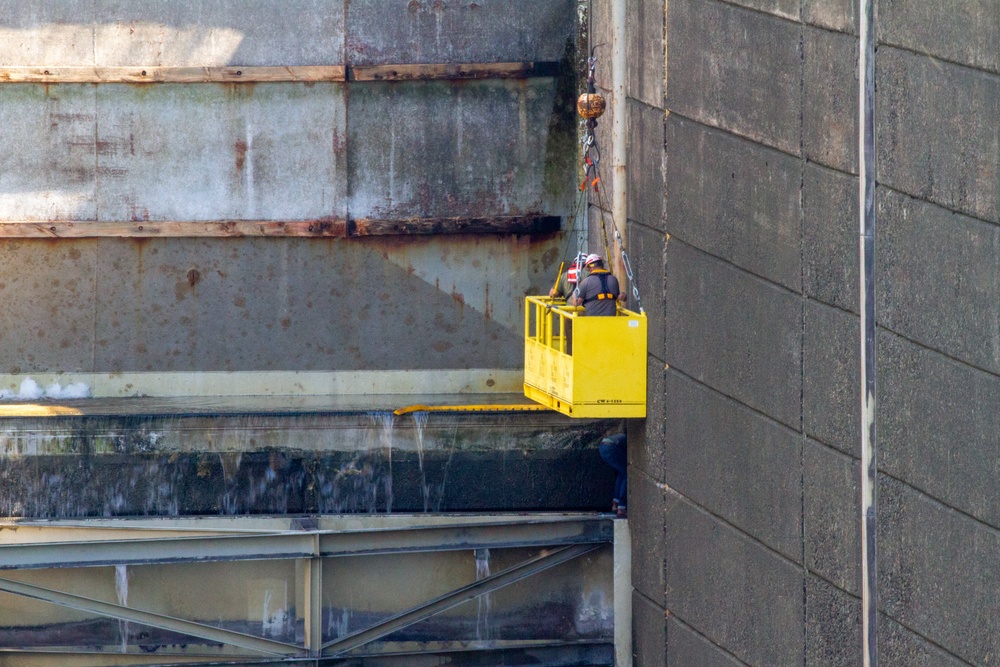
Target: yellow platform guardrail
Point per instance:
(584, 366)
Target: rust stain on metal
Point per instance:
(193, 277)
(241, 154)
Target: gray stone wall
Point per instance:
(745, 476)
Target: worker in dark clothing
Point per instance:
(614, 452)
(598, 292)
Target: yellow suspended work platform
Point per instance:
(584, 366)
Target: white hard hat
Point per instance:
(591, 259)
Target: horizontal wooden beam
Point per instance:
(170, 74)
(327, 228)
(305, 74)
(418, 72)
(324, 228)
(524, 224)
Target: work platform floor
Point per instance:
(232, 405)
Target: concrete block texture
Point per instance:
(736, 69)
(936, 124)
(788, 9)
(830, 99)
(646, 54)
(964, 31)
(646, 161)
(648, 498)
(194, 152)
(646, 436)
(899, 647)
(649, 641)
(222, 32)
(433, 31)
(830, 257)
(938, 573)
(645, 248)
(734, 332)
(266, 304)
(57, 287)
(839, 15)
(938, 426)
(831, 391)
(735, 463)
(687, 648)
(728, 587)
(945, 295)
(114, 33)
(495, 148)
(47, 162)
(833, 626)
(831, 483)
(735, 199)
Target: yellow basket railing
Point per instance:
(584, 366)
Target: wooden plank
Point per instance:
(171, 74)
(306, 74)
(423, 72)
(144, 229)
(525, 224)
(335, 228)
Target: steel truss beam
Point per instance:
(567, 536)
(304, 544)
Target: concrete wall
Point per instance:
(745, 477)
(192, 152)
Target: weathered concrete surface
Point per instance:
(833, 625)
(937, 132)
(646, 438)
(147, 32)
(898, 647)
(830, 236)
(425, 31)
(839, 15)
(279, 152)
(650, 642)
(719, 581)
(645, 174)
(751, 353)
(645, 52)
(939, 428)
(686, 647)
(922, 546)
(645, 252)
(735, 463)
(952, 303)
(831, 387)
(966, 32)
(830, 105)
(757, 88)
(832, 499)
(735, 200)
(47, 164)
(648, 541)
(268, 304)
(295, 462)
(737, 70)
(495, 148)
(221, 152)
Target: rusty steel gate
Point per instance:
(315, 590)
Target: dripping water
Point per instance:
(121, 592)
(420, 420)
(484, 601)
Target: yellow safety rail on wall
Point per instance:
(584, 366)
